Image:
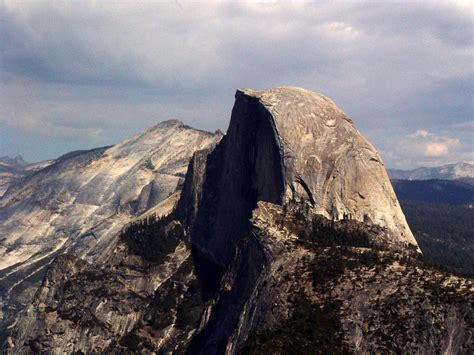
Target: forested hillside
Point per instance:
(436, 191)
(441, 217)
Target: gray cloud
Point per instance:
(424, 148)
(101, 71)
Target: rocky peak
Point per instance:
(328, 163)
(17, 161)
(287, 145)
(80, 202)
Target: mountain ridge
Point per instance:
(15, 161)
(446, 172)
(456, 191)
(79, 202)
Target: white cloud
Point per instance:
(426, 144)
(425, 148)
(436, 150)
(420, 133)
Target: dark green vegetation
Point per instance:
(394, 298)
(86, 293)
(444, 232)
(316, 230)
(178, 301)
(435, 191)
(309, 330)
(153, 238)
(324, 232)
(440, 215)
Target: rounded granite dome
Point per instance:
(291, 99)
(327, 161)
(287, 145)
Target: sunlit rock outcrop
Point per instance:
(79, 203)
(287, 145)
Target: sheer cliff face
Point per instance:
(290, 145)
(225, 186)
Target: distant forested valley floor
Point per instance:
(440, 213)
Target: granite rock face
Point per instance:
(296, 282)
(79, 203)
(289, 207)
(287, 238)
(86, 307)
(327, 285)
(286, 145)
(14, 169)
(327, 162)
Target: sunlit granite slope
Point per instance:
(80, 202)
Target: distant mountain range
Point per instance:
(17, 161)
(13, 169)
(445, 172)
(441, 217)
(456, 192)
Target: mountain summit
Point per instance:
(17, 161)
(287, 238)
(79, 203)
(289, 145)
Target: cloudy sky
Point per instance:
(78, 74)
